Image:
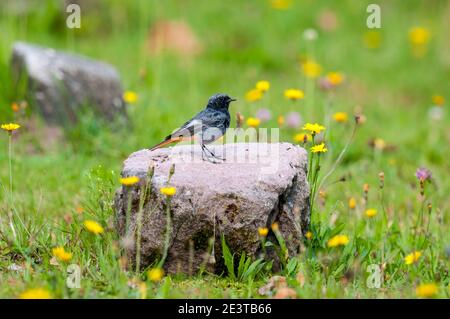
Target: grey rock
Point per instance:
(59, 84)
(258, 184)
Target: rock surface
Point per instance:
(258, 184)
(59, 84)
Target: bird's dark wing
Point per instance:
(192, 127)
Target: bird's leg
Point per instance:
(206, 156)
(213, 154)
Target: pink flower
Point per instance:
(293, 120)
(263, 115)
(423, 174)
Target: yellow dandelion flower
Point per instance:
(438, 100)
(10, 127)
(294, 94)
(35, 293)
(371, 213)
(253, 122)
(143, 290)
(379, 144)
(275, 227)
(281, 4)
(253, 95)
(263, 231)
(340, 117)
(313, 128)
(311, 69)
(61, 254)
(302, 137)
(168, 190)
(129, 181)
(419, 35)
(352, 203)
(338, 240)
(130, 97)
(280, 120)
(93, 226)
(308, 235)
(319, 148)
(412, 258)
(426, 290)
(263, 85)
(335, 78)
(155, 274)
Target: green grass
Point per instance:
(243, 42)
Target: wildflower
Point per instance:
(253, 95)
(438, 100)
(263, 231)
(340, 117)
(10, 127)
(302, 137)
(15, 107)
(130, 97)
(281, 4)
(168, 191)
(371, 213)
(274, 227)
(129, 181)
(423, 174)
(61, 254)
(314, 128)
(293, 120)
(280, 120)
(412, 258)
(264, 115)
(338, 240)
(310, 34)
(294, 94)
(143, 290)
(93, 226)
(155, 274)
(379, 144)
(335, 78)
(320, 148)
(426, 290)
(308, 235)
(263, 86)
(352, 203)
(419, 36)
(253, 122)
(35, 293)
(372, 39)
(311, 69)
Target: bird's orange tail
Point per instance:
(165, 142)
(170, 141)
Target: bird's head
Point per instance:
(220, 101)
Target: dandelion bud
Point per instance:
(430, 207)
(151, 171)
(366, 188)
(381, 176)
(239, 119)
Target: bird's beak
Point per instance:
(232, 100)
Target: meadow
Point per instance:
(380, 224)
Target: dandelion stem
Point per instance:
(167, 239)
(340, 157)
(10, 168)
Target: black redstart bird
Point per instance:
(207, 126)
